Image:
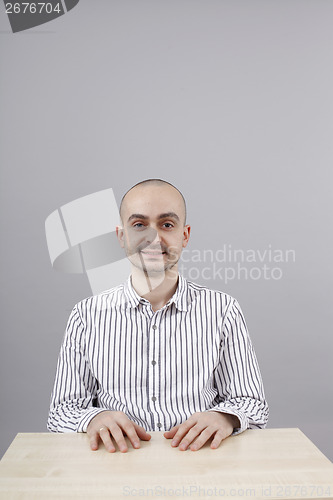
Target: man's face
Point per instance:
(153, 232)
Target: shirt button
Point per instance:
(153, 398)
(159, 425)
(154, 327)
(153, 363)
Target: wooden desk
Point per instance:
(258, 464)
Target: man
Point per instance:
(158, 352)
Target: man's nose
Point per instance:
(152, 236)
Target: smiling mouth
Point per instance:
(152, 253)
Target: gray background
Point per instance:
(229, 100)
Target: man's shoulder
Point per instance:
(201, 290)
(107, 298)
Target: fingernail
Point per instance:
(174, 442)
(136, 444)
(194, 447)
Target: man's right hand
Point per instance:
(115, 424)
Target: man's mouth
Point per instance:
(149, 252)
(153, 252)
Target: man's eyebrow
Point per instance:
(167, 215)
(137, 216)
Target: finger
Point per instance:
(141, 432)
(169, 434)
(218, 438)
(182, 431)
(128, 427)
(93, 441)
(203, 438)
(118, 436)
(190, 436)
(106, 438)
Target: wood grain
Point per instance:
(257, 464)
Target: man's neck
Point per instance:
(155, 288)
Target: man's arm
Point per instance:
(237, 376)
(241, 404)
(71, 407)
(75, 389)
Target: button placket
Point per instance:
(154, 377)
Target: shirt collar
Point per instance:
(180, 298)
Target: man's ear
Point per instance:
(187, 230)
(120, 235)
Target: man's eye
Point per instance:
(138, 225)
(168, 224)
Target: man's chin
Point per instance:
(154, 270)
(151, 266)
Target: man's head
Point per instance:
(152, 182)
(153, 230)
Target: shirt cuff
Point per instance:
(244, 421)
(87, 416)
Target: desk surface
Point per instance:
(257, 464)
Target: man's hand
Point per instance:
(200, 427)
(115, 424)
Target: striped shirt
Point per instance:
(193, 355)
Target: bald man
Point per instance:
(157, 352)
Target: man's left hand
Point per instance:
(200, 427)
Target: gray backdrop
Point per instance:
(229, 100)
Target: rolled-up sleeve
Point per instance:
(237, 375)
